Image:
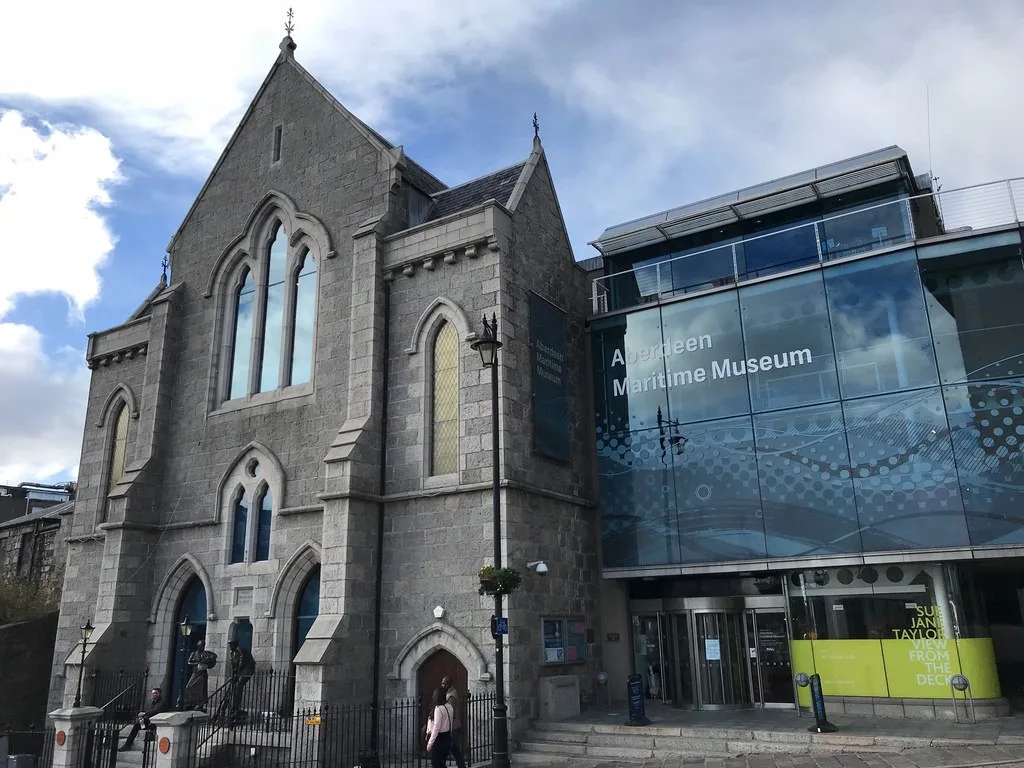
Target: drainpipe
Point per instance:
(375, 708)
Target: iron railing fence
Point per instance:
(121, 695)
(338, 735)
(865, 229)
(37, 743)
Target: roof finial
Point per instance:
(287, 44)
(536, 126)
(164, 264)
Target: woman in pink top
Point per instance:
(439, 725)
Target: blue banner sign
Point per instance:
(550, 379)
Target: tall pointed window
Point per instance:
(240, 527)
(271, 323)
(266, 507)
(118, 448)
(244, 306)
(305, 318)
(444, 414)
(273, 317)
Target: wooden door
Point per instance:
(437, 665)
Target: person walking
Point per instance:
(439, 728)
(451, 697)
(156, 706)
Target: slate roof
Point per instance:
(48, 513)
(494, 186)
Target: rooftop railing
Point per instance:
(863, 230)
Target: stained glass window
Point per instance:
(445, 411)
(119, 449)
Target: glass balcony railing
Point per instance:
(866, 229)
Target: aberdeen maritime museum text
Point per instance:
(724, 368)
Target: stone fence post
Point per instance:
(71, 731)
(176, 738)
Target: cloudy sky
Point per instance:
(113, 112)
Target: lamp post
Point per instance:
(488, 346)
(86, 634)
(186, 631)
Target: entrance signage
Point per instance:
(635, 697)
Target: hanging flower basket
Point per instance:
(498, 581)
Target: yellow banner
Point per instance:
(917, 668)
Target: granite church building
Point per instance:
(289, 442)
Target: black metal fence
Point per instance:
(36, 743)
(121, 695)
(393, 735)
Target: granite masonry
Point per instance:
(344, 457)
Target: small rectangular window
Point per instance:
(565, 640)
(277, 143)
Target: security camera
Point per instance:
(539, 566)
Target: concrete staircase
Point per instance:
(584, 743)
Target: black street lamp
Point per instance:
(488, 346)
(186, 631)
(86, 634)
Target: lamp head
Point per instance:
(488, 345)
(186, 627)
(539, 566)
(87, 631)
(439, 612)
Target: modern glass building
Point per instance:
(809, 411)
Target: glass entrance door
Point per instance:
(721, 653)
(649, 653)
(680, 687)
(771, 670)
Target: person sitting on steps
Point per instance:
(156, 706)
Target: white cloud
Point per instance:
(42, 407)
(52, 237)
(173, 79)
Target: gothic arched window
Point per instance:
(444, 402)
(272, 317)
(263, 520)
(118, 448)
(239, 527)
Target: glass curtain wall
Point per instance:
(873, 405)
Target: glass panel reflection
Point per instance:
(631, 390)
(880, 225)
(987, 422)
(305, 321)
(788, 344)
(263, 527)
(879, 325)
(806, 487)
(717, 495)
(238, 529)
(975, 292)
(241, 347)
(904, 475)
(270, 372)
(705, 369)
(784, 248)
(638, 519)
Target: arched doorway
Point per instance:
(434, 667)
(192, 605)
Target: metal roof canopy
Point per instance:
(797, 189)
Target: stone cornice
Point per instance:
(431, 261)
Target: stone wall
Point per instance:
(25, 671)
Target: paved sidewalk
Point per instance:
(954, 757)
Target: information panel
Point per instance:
(550, 380)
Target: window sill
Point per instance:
(296, 392)
(254, 568)
(441, 481)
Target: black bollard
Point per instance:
(821, 723)
(635, 697)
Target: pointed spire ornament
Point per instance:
(164, 264)
(287, 44)
(289, 26)
(536, 126)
